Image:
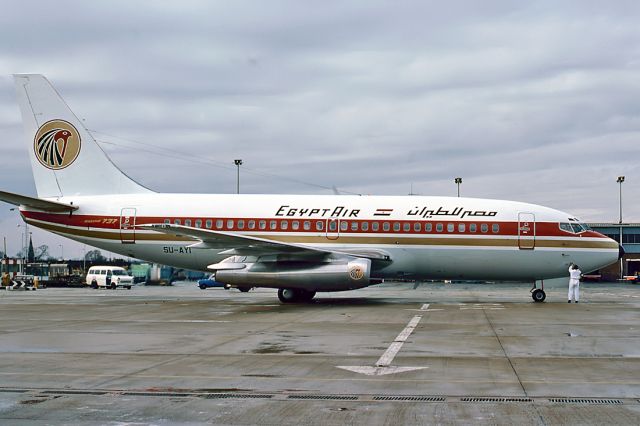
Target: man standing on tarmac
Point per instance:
(574, 282)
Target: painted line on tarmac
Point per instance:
(383, 365)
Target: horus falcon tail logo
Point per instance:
(57, 144)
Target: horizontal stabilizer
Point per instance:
(35, 203)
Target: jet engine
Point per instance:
(332, 275)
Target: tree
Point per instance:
(31, 256)
(94, 256)
(42, 252)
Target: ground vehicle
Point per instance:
(108, 277)
(209, 282)
(206, 283)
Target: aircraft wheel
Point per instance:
(289, 295)
(306, 296)
(244, 289)
(286, 295)
(538, 295)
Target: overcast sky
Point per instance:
(528, 101)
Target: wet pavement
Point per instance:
(391, 354)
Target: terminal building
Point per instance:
(629, 235)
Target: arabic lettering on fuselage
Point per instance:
(427, 213)
(346, 212)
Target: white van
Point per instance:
(109, 277)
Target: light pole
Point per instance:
(458, 181)
(620, 181)
(238, 163)
(4, 255)
(61, 252)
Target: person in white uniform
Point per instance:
(574, 282)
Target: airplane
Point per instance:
(298, 244)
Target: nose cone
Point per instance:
(620, 251)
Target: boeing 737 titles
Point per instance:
(298, 244)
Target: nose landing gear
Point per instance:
(538, 294)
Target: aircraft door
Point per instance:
(128, 225)
(526, 231)
(333, 229)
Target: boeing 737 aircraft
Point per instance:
(298, 244)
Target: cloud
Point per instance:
(528, 101)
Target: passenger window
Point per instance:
(177, 222)
(306, 225)
(262, 224)
(461, 227)
(230, 224)
(473, 227)
(284, 225)
(450, 227)
(219, 223)
(375, 226)
(495, 228)
(439, 227)
(198, 223)
(333, 225)
(344, 225)
(167, 221)
(386, 226)
(273, 225)
(406, 227)
(240, 224)
(354, 226)
(187, 222)
(295, 225)
(209, 223)
(484, 228)
(428, 227)
(252, 224)
(396, 226)
(365, 226)
(319, 225)
(417, 227)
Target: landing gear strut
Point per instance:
(538, 294)
(293, 295)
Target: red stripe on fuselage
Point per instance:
(542, 229)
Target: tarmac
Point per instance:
(390, 354)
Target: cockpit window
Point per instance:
(574, 227)
(566, 227)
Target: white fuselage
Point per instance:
(425, 237)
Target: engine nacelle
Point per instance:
(328, 276)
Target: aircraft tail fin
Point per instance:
(65, 158)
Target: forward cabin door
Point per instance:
(526, 231)
(128, 225)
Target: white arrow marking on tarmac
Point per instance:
(383, 366)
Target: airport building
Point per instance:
(629, 235)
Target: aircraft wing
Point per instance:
(238, 244)
(35, 203)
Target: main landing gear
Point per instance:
(295, 295)
(538, 294)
